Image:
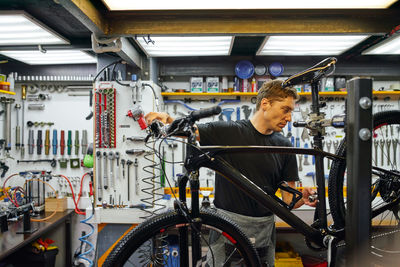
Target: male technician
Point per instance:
(274, 108)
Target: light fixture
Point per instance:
(249, 4)
(305, 45)
(168, 46)
(390, 46)
(19, 28)
(51, 57)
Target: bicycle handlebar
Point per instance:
(181, 126)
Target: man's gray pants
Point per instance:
(260, 231)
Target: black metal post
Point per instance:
(359, 141)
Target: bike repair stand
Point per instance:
(359, 146)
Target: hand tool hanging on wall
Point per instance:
(76, 144)
(54, 142)
(328, 146)
(137, 114)
(105, 175)
(128, 164)
(382, 146)
(23, 97)
(388, 144)
(98, 175)
(395, 143)
(117, 155)
(123, 168)
(306, 156)
(172, 146)
(53, 162)
(246, 111)
(17, 129)
(62, 143)
(47, 142)
(84, 142)
(136, 165)
(227, 112)
(376, 150)
(112, 177)
(30, 142)
(7, 124)
(69, 143)
(39, 142)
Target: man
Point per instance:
(274, 108)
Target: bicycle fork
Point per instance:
(195, 221)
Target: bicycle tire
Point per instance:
(135, 239)
(337, 174)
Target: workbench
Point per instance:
(11, 242)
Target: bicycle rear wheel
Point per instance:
(156, 242)
(385, 190)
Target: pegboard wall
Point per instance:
(64, 109)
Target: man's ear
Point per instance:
(265, 103)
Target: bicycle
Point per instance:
(149, 243)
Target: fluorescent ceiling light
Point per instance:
(249, 4)
(304, 45)
(187, 46)
(51, 57)
(18, 28)
(390, 46)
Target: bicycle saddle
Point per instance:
(310, 75)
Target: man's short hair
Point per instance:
(273, 91)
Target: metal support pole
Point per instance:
(359, 141)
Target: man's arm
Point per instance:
(307, 191)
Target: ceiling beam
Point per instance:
(129, 54)
(87, 14)
(376, 21)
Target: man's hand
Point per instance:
(308, 191)
(161, 116)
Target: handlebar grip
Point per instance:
(299, 124)
(204, 113)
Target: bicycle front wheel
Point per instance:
(164, 240)
(385, 190)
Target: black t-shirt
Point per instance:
(266, 170)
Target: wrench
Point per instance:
(300, 163)
(335, 145)
(306, 156)
(328, 146)
(117, 170)
(376, 150)
(98, 174)
(112, 177)
(136, 165)
(105, 170)
(395, 143)
(388, 144)
(123, 168)
(382, 144)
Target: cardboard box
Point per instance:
(55, 204)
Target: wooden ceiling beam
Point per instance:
(228, 22)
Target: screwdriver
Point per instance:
(54, 142)
(62, 143)
(39, 142)
(76, 142)
(69, 142)
(47, 143)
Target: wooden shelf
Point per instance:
(255, 94)
(7, 92)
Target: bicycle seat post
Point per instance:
(317, 133)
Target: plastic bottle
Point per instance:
(253, 85)
(11, 80)
(236, 84)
